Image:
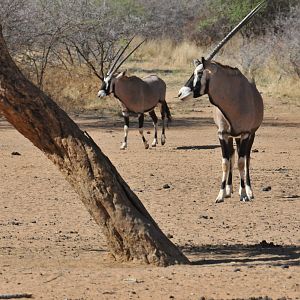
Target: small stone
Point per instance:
(267, 188)
(285, 266)
(131, 280)
(15, 153)
(169, 236)
(16, 223)
(166, 186)
(255, 150)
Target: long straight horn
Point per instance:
(252, 13)
(118, 56)
(123, 60)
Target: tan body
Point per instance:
(238, 110)
(139, 95)
(236, 100)
(238, 113)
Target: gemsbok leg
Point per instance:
(247, 171)
(141, 130)
(244, 150)
(126, 127)
(163, 117)
(154, 119)
(229, 190)
(227, 152)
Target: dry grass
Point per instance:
(77, 89)
(166, 54)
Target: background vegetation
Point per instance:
(65, 46)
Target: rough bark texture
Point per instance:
(130, 231)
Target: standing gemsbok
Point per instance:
(238, 112)
(137, 95)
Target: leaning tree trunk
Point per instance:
(130, 231)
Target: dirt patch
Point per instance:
(51, 248)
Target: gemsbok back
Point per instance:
(137, 95)
(238, 112)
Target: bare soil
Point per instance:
(51, 248)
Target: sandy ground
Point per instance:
(52, 249)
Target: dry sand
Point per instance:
(51, 248)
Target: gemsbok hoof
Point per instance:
(154, 143)
(249, 192)
(146, 146)
(221, 196)
(219, 200)
(123, 146)
(244, 198)
(228, 191)
(163, 140)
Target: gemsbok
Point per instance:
(238, 112)
(137, 95)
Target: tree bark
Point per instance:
(131, 232)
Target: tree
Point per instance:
(219, 16)
(33, 44)
(98, 28)
(131, 232)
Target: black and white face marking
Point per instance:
(197, 78)
(193, 85)
(105, 87)
(186, 92)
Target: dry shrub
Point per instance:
(278, 82)
(76, 88)
(165, 53)
(184, 53)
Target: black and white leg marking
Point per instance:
(163, 117)
(141, 130)
(249, 191)
(154, 119)
(226, 154)
(229, 190)
(126, 128)
(242, 165)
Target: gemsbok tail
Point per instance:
(168, 113)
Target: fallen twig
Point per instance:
(15, 296)
(59, 275)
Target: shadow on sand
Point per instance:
(263, 253)
(115, 122)
(202, 147)
(94, 121)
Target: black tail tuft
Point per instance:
(168, 113)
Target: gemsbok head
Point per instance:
(136, 95)
(238, 111)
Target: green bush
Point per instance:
(219, 16)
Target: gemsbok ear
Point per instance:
(196, 62)
(121, 74)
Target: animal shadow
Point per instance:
(263, 253)
(200, 147)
